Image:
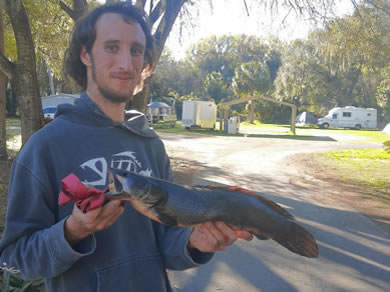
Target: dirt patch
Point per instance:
(329, 188)
(183, 170)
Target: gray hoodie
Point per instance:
(134, 252)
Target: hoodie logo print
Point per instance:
(126, 160)
(94, 165)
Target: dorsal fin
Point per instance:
(274, 206)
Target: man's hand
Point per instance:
(214, 236)
(80, 225)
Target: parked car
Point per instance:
(49, 112)
(50, 103)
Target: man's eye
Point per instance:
(136, 51)
(112, 48)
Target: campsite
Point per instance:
(287, 100)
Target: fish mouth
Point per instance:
(115, 182)
(116, 196)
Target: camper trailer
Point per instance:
(349, 117)
(160, 114)
(199, 114)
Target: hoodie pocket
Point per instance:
(136, 274)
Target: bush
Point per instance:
(8, 283)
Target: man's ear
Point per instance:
(85, 57)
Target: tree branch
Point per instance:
(157, 11)
(67, 9)
(6, 66)
(385, 7)
(172, 9)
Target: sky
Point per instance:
(230, 17)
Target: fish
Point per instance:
(188, 206)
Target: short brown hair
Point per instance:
(84, 35)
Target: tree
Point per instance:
(80, 7)
(383, 94)
(252, 78)
(3, 130)
(216, 88)
(23, 71)
(162, 16)
(339, 65)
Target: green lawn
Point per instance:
(358, 136)
(368, 168)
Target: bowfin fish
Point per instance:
(186, 206)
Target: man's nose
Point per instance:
(125, 61)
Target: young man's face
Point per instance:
(115, 63)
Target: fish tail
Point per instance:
(298, 240)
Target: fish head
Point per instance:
(125, 185)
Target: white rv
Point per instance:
(200, 114)
(349, 117)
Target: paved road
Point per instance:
(354, 252)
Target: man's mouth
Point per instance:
(122, 76)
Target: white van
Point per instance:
(349, 117)
(199, 114)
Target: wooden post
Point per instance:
(221, 109)
(251, 111)
(225, 119)
(293, 118)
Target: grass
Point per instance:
(368, 168)
(357, 136)
(13, 121)
(179, 129)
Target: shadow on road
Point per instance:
(354, 253)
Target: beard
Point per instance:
(107, 93)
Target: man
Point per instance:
(112, 248)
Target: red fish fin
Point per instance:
(274, 206)
(298, 240)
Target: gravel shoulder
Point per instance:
(332, 189)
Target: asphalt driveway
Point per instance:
(354, 252)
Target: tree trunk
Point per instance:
(161, 34)
(25, 76)
(50, 76)
(140, 100)
(3, 129)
